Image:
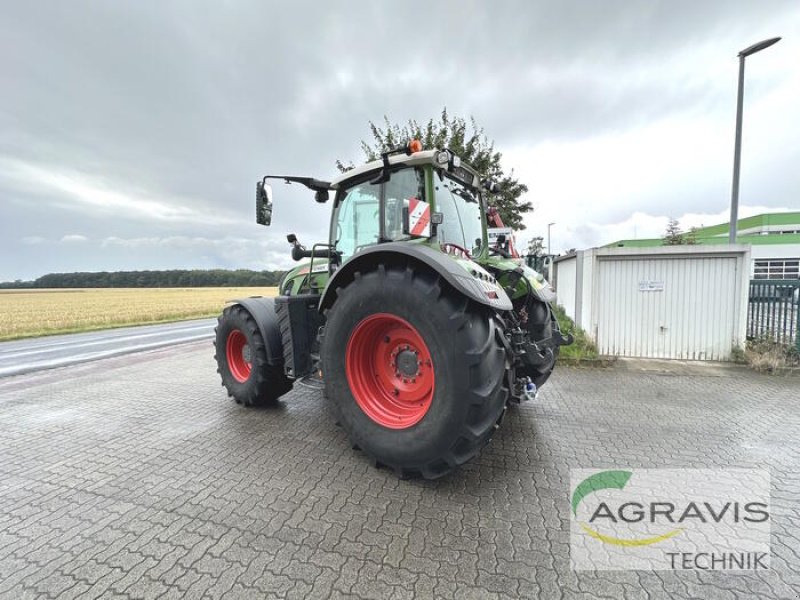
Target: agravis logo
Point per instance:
(670, 518)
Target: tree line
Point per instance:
(151, 279)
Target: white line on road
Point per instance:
(106, 335)
(78, 344)
(20, 369)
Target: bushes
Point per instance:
(583, 347)
(767, 355)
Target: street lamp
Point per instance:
(549, 225)
(737, 152)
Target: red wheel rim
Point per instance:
(390, 371)
(237, 351)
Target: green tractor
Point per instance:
(420, 332)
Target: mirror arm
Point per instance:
(316, 185)
(299, 253)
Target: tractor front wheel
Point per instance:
(414, 370)
(242, 360)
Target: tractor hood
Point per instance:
(540, 287)
(297, 278)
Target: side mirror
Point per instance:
(263, 203)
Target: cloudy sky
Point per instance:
(132, 134)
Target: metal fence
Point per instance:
(774, 310)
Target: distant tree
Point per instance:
(673, 235)
(466, 139)
(17, 284)
(536, 246)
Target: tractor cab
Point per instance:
(427, 197)
(417, 201)
(408, 196)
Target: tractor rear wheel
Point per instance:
(242, 360)
(414, 370)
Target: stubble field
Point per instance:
(28, 313)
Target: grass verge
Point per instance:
(583, 349)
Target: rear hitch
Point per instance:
(563, 340)
(524, 390)
(536, 356)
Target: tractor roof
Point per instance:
(417, 158)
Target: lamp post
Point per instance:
(737, 151)
(549, 225)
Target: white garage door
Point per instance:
(680, 307)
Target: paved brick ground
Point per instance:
(136, 478)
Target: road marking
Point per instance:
(69, 339)
(65, 361)
(26, 356)
(78, 344)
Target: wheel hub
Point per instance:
(390, 371)
(407, 363)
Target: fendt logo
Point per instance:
(686, 518)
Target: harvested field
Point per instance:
(28, 313)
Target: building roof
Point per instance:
(751, 230)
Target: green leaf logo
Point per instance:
(599, 481)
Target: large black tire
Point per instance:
(242, 360)
(469, 392)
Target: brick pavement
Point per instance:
(137, 478)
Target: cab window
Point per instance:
(401, 187)
(358, 214)
(358, 217)
(462, 222)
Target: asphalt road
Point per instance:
(136, 477)
(36, 354)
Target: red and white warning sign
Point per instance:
(419, 218)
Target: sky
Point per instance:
(132, 134)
